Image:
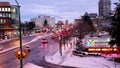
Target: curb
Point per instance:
(31, 65)
(3, 41)
(7, 40)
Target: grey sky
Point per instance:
(69, 9)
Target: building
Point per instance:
(7, 20)
(77, 21)
(92, 15)
(40, 21)
(104, 8)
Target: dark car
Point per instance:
(27, 48)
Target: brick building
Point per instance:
(7, 20)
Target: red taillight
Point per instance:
(44, 41)
(115, 49)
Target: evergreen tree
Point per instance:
(115, 29)
(31, 25)
(87, 20)
(28, 25)
(45, 23)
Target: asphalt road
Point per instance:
(36, 55)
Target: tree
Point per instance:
(31, 25)
(87, 20)
(115, 29)
(45, 23)
(28, 25)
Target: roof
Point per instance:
(77, 19)
(4, 4)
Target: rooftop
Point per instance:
(4, 4)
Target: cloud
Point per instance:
(36, 9)
(69, 9)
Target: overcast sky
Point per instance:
(68, 9)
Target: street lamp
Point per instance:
(21, 65)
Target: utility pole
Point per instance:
(60, 45)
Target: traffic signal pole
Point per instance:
(20, 37)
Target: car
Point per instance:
(44, 41)
(27, 48)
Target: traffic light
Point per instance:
(20, 55)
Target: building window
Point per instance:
(8, 9)
(0, 14)
(7, 20)
(4, 20)
(1, 26)
(9, 15)
(0, 9)
(3, 9)
(3, 15)
(13, 10)
(1, 20)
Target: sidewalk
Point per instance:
(67, 59)
(57, 58)
(30, 65)
(2, 41)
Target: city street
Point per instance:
(36, 54)
(39, 54)
(59, 34)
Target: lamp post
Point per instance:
(21, 63)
